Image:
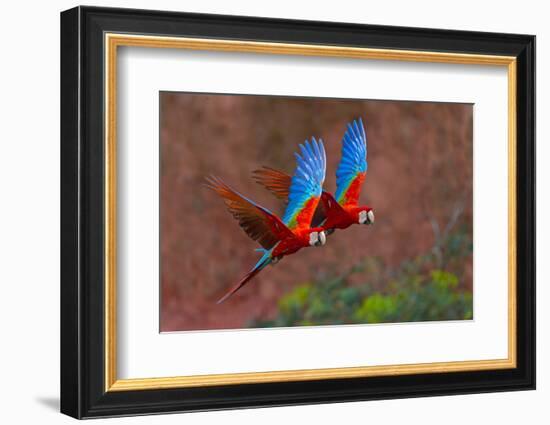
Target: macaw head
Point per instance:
(317, 237)
(365, 215)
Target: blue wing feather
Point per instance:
(307, 181)
(354, 157)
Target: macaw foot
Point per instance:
(275, 260)
(329, 231)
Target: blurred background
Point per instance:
(413, 264)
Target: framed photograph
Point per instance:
(261, 212)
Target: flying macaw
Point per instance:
(281, 237)
(343, 209)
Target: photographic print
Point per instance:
(326, 192)
(289, 211)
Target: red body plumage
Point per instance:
(330, 214)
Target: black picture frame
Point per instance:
(83, 392)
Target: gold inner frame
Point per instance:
(113, 41)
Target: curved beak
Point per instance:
(370, 217)
(322, 238)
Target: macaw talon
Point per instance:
(275, 260)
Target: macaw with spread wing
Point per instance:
(281, 237)
(341, 210)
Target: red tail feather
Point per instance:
(244, 280)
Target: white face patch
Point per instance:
(322, 238)
(362, 217)
(313, 238)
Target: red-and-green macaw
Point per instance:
(341, 210)
(281, 237)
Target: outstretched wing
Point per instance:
(258, 222)
(352, 169)
(306, 185)
(278, 183)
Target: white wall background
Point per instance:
(29, 210)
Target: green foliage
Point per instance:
(424, 288)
